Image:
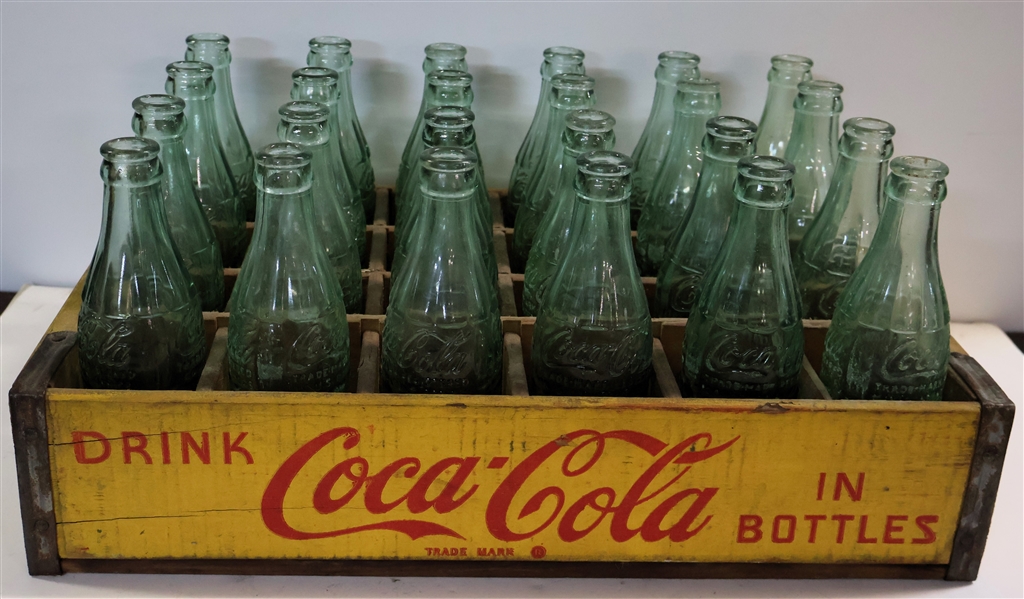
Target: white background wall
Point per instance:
(948, 76)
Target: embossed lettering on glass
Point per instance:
(215, 185)
(162, 118)
(557, 60)
(889, 337)
(442, 333)
(593, 332)
(704, 226)
(840, 236)
(776, 125)
(674, 185)
(649, 154)
(288, 330)
(744, 338)
(141, 324)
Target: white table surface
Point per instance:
(1002, 569)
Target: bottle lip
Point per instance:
(190, 70)
(449, 160)
(219, 39)
(283, 156)
(304, 111)
(449, 117)
(314, 74)
(868, 128)
(158, 105)
(445, 50)
(731, 128)
(563, 54)
(791, 62)
(819, 88)
(330, 43)
(702, 85)
(574, 81)
(130, 150)
(766, 168)
(589, 120)
(678, 58)
(604, 163)
(919, 167)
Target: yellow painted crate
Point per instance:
(221, 481)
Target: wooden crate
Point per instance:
(220, 481)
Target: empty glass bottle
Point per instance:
(585, 130)
(446, 127)
(320, 84)
(773, 132)
(212, 48)
(840, 236)
(673, 187)
(288, 330)
(162, 118)
(335, 53)
(568, 92)
(557, 60)
(305, 124)
(812, 150)
(442, 333)
(650, 151)
(706, 221)
(216, 188)
(745, 337)
(140, 325)
(889, 337)
(444, 88)
(593, 333)
(443, 56)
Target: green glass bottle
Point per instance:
(773, 132)
(650, 151)
(593, 333)
(442, 333)
(812, 150)
(840, 236)
(744, 338)
(439, 56)
(141, 324)
(319, 84)
(444, 88)
(306, 124)
(335, 53)
(704, 226)
(568, 92)
(889, 337)
(216, 188)
(557, 60)
(288, 330)
(212, 48)
(585, 130)
(162, 118)
(446, 127)
(673, 187)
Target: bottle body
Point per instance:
(161, 118)
(141, 324)
(593, 332)
(442, 333)
(744, 338)
(706, 222)
(650, 150)
(840, 236)
(673, 187)
(776, 125)
(288, 329)
(889, 337)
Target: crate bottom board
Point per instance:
(538, 569)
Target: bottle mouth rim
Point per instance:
(919, 167)
(283, 156)
(589, 120)
(731, 128)
(766, 168)
(306, 74)
(792, 62)
(445, 50)
(190, 69)
(449, 160)
(208, 37)
(678, 58)
(331, 42)
(304, 111)
(869, 128)
(130, 150)
(158, 105)
(604, 163)
(702, 85)
(575, 81)
(819, 88)
(563, 54)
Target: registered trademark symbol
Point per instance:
(538, 552)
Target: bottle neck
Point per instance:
(346, 104)
(201, 122)
(815, 136)
(600, 229)
(909, 231)
(689, 129)
(774, 130)
(284, 228)
(133, 215)
(758, 242)
(662, 110)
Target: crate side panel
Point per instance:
(196, 475)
